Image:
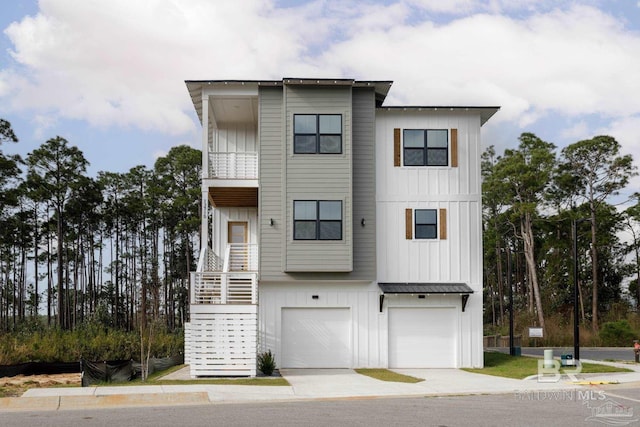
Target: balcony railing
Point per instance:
(234, 281)
(209, 261)
(243, 165)
(217, 287)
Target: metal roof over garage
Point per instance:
(425, 288)
(461, 289)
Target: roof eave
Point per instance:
(486, 112)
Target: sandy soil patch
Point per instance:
(15, 386)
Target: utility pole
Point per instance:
(576, 319)
(512, 348)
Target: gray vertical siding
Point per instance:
(364, 184)
(285, 177)
(271, 181)
(319, 177)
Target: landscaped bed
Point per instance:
(387, 375)
(17, 385)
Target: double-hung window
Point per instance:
(426, 226)
(317, 220)
(317, 133)
(426, 147)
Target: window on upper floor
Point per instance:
(317, 133)
(422, 224)
(317, 220)
(426, 147)
(426, 224)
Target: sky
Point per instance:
(108, 75)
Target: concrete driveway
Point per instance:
(329, 383)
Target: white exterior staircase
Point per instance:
(221, 339)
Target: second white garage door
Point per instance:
(422, 337)
(316, 338)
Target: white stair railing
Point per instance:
(215, 287)
(235, 283)
(242, 257)
(202, 259)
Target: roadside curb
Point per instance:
(48, 403)
(53, 403)
(132, 400)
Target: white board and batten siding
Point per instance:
(220, 218)
(339, 329)
(455, 190)
(344, 328)
(235, 138)
(223, 340)
(454, 259)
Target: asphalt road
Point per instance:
(591, 353)
(558, 408)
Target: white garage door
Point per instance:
(316, 338)
(422, 337)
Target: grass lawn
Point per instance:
(387, 375)
(520, 367)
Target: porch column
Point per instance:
(205, 136)
(204, 220)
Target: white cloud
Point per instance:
(578, 131)
(159, 153)
(572, 62)
(42, 123)
(625, 131)
(123, 63)
(463, 7)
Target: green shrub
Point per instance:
(617, 334)
(266, 363)
(88, 341)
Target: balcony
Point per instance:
(232, 280)
(233, 165)
(233, 179)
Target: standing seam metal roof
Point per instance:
(425, 288)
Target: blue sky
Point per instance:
(108, 75)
